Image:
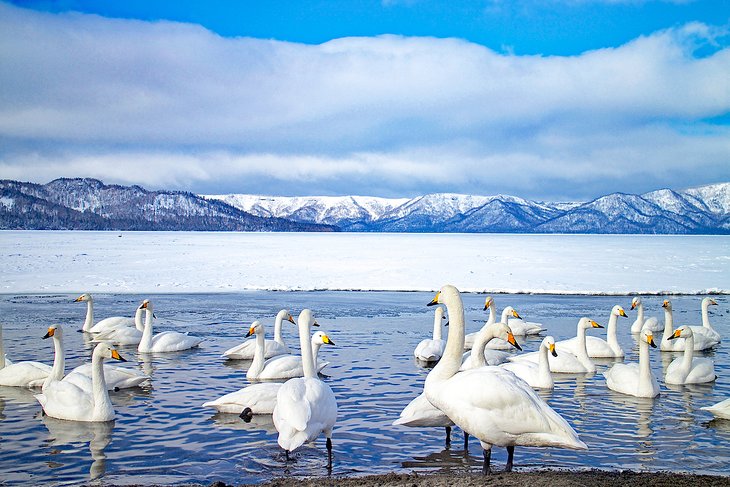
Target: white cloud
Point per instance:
(173, 105)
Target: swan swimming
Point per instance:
(480, 355)
(635, 379)
(305, 406)
(687, 369)
(702, 340)
(488, 305)
(112, 321)
(483, 401)
(126, 335)
(431, 349)
(598, 347)
(536, 374)
(720, 410)
(253, 399)
(64, 400)
(245, 350)
(706, 328)
(166, 341)
(651, 323)
(21, 374)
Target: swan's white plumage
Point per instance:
(702, 337)
(431, 349)
(420, 412)
(480, 355)
(125, 335)
(598, 347)
(651, 323)
(536, 374)
(720, 409)
(277, 346)
(21, 374)
(167, 341)
(260, 398)
(635, 379)
(498, 343)
(689, 369)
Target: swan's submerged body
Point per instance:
(430, 349)
(598, 347)
(272, 348)
(167, 341)
(689, 369)
(635, 379)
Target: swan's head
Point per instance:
(321, 338)
(284, 315)
(447, 295)
(83, 298)
(147, 304)
(586, 323)
(107, 351)
(503, 331)
(510, 311)
(307, 318)
(53, 330)
(681, 332)
(488, 303)
(667, 305)
(635, 302)
(618, 311)
(709, 302)
(648, 336)
(549, 343)
(256, 327)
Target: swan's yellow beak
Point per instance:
(516, 314)
(487, 303)
(290, 318)
(665, 304)
(712, 301)
(435, 299)
(621, 312)
(327, 340)
(251, 331)
(80, 298)
(674, 335)
(551, 347)
(511, 340)
(595, 325)
(633, 305)
(51, 332)
(116, 356)
(650, 340)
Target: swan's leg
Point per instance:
(487, 460)
(510, 458)
(329, 454)
(286, 452)
(466, 440)
(448, 436)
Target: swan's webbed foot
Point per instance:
(486, 470)
(448, 436)
(510, 458)
(329, 455)
(246, 415)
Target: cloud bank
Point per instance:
(171, 105)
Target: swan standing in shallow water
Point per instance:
(598, 347)
(687, 369)
(483, 401)
(641, 322)
(431, 349)
(166, 341)
(64, 400)
(702, 340)
(488, 305)
(567, 362)
(245, 350)
(536, 374)
(635, 379)
(305, 406)
(720, 410)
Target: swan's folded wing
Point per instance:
(291, 404)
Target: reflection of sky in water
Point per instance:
(163, 435)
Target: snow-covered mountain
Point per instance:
(703, 210)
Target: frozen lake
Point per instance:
(203, 282)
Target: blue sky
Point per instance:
(544, 99)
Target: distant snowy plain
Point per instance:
(201, 262)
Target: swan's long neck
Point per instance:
(581, 351)
(640, 312)
(644, 365)
(451, 359)
(543, 366)
(59, 361)
(689, 346)
(259, 352)
(102, 403)
(306, 350)
(706, 315)
(89, 321)
(492, 314)
(505, 316)
(437, 324)
(146, 342)
(480, 343)
(138, 323)
(316, 346)
(611, 338)
(2, 348)
(668, 324)
(277, 329)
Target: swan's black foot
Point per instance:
(466, 440)
(116, 389)
(448, 436)
(486, 470)
(329, 455)
(247, 415)
(510, 458)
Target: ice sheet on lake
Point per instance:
(138, 262)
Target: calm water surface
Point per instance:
(163, 435)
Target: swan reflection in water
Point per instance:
(642, 409)
(97, 434)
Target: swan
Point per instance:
(567, 362)
(483, 401)
(115, 377)
(89, 321)
(430, 350)
(687, 369)
(282, 366)
(116, 322)
(305, 406)
(245, 350)
(537, 375)
(480, 355)
(635, 379)
(701, 339)
(252, 399)
(598, 347)
(720, 409)
(520, 327)
(488, 305)
(167, 341)
(640, 322)
(64, 400)
(126, 335)
(706, 327)
(21, 374)
(498, 343)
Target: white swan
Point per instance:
(598, 347)
(702, 340)
(720, 409)
(706, 328)
(116, 322)
(64, 400)
(483, 401)
(305, 406)
(498, 343)
(567, 362)
(635, 379)
(21, 374)
(536, 374)
(488, 305)
(520, 327)
(115, 377)
(126, 335)
(651, 323)
(480, 355)
(89, 320)
(282, 366)
(245, 350)
(431, 349)
(257, 398)
(688, 369)
(167, 341)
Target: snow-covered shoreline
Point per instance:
(214, 262)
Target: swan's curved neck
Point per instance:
(316, 346)
(543, 366)
(259, 353)
(138, 323)
(668, 324)
(437, 316)
(277, 329)
(689, 346)
(492, 314)
(611, 338)
(59, 361)
(146, 342)
(102, 403)
(89, 321)
(706, 315)
(581, 351)
(480, 343)
(505, 316)
(640, 312)
(644, 365)
(451, 359)
(306, 350)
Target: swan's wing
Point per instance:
(173, 341)
(429, 349)
(23, 374)
(116, 377)
(111, 323)
(623, 378)
(282, 366)
(261, 398)
(65, 400)
(242, 351)
(720, 409)
(703, 370)
(420, 412)
(292, 408)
